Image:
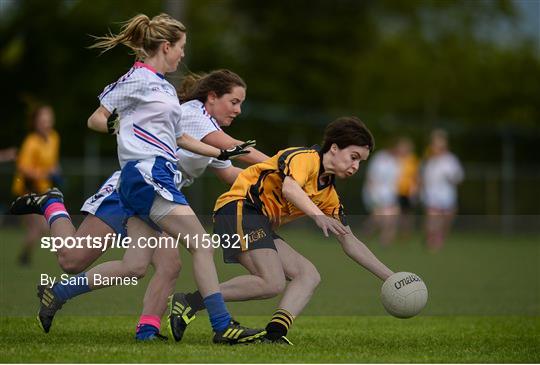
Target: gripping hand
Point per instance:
(113, 123)
(236, 151)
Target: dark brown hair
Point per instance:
(347, 131)
(197, 86)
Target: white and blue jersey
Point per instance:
(151, 121)
(198, 123)
(105, 204)
(149, 109)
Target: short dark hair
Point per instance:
(347, 131)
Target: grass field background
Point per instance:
(484, 306)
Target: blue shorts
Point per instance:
(141, 180)
(105, 204)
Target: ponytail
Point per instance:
(143, 35)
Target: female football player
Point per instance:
(213, 101)
(149, 131)
(293, 183)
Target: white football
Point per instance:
(404, 295)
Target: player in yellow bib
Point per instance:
(37, 165)
(293, 183)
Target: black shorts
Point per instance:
(404, 203)
(242, 227)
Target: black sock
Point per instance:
(195, 301)
(279, 324)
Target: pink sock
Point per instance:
(149, 319)
(54, 211)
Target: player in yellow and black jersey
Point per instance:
(261, 185)
(295, 182)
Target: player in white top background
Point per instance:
(381, 196)
(148, 181)
(440, 174)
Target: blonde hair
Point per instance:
(143, 35)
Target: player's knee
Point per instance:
(314, 278)
(311, 276)
(70, 265)
(137, 270)
(274, 287)
(201, 251)
(171, 268)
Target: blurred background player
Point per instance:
(6, 155)
(441, 173)
(407, 184)
(381, 195)
(37, 170)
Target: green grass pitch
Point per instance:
(484, 306)
(317, 339)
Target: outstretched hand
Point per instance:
(236, 151)
(329, 224)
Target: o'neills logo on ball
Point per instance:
(406, 281)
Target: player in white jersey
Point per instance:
(212, 102)
(441, 173)
(202, 117)
(380, 195)
(147, 182)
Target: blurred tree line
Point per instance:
(403, 67)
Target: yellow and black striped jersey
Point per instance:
(262, 185)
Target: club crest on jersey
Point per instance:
(104, 191)
(163, 90)
(256, 235)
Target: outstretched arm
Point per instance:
(222, 140)
(189, 143)
(359, 252)
(294, 194)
